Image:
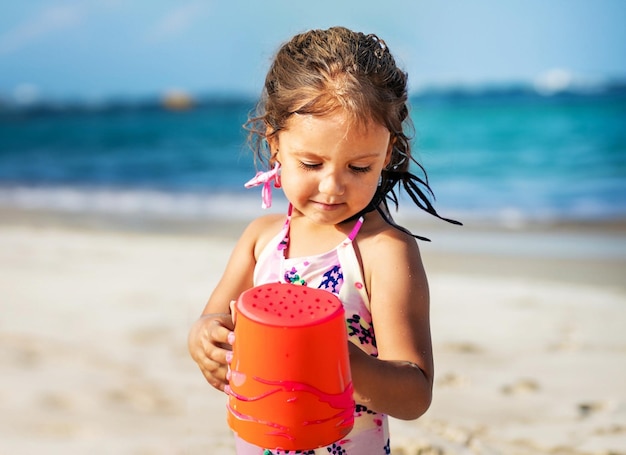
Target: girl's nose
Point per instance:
(331, 183)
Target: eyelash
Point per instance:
(361, 170)
(356, 170)
(308, 167)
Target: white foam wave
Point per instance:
(247, 205)
(134, 202)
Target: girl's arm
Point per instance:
(399, 381)
(208, 340)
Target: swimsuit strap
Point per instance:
(285, 230)
(289, 213)
(355, 229)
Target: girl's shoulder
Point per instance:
(379, 234)
(380, 243)
(269, 221)
(261, 230)
(392, 266)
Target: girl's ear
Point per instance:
(274, 152)
(272, 142)
(392, 142)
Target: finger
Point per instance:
(215, 382)
(218, 333)
(227, 321)
(215, 373)
(221, 357)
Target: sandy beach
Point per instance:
(529, 331)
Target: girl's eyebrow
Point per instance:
(311, 154)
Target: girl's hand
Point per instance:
(210, 345)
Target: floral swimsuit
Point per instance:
(339, 272)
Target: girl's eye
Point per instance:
(358, 169)
(314, 166)
(309, 166)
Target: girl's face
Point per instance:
(330, 166)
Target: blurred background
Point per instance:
(128, 115)
(136, 107)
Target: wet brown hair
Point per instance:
(321, 71)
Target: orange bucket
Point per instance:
(290, 383)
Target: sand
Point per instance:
(529, 332)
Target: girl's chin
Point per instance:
(328, 215)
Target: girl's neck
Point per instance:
(307, 238)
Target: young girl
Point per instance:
(330, 127)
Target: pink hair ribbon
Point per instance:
(265, 179)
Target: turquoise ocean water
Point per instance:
(492, 155)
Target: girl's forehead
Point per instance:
(338, 118)
(333, 134)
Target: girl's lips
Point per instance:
(326, 206)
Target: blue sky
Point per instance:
(95, 49)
